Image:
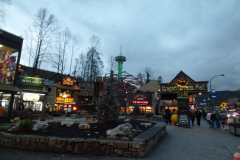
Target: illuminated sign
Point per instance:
(62, 99)
(140, 102)
(31, 97)
(74, 108)
(68, 81)
(31, 81)
(197, 87)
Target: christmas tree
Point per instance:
(136, 110)
(108, 108)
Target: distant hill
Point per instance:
(221, 96)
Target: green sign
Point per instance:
(175, 88)
(31, 81)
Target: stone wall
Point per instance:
(138, 148)
(51, 97)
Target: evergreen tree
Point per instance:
(108, 108)
(136, 110)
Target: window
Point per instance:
(5, 102)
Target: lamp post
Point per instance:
(211, 86)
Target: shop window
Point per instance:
(8, 63)
(5, 103)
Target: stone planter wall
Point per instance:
(138, 148)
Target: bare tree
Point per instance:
(149, 74)
(95, 64)
(39, 36)
(74, 48)
(62, 46)
(113, 65)
(3, 10)
(141, 77)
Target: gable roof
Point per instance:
(152, 86)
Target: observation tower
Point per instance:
(120, 59)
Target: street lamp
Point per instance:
(211, 86)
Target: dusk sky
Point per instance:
(201, 38)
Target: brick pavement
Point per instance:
(198, 143)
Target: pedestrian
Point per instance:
(48, 109)
(168, 116)
(163, 114)
(217, 119)
(199, 114)
(192, 116)
(31, 106)
(204, 114)
(213, 119)
(21, 106)
(209, 117)
(223, 119)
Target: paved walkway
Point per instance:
(198, 143)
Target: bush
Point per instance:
(44, 131)
(25, 124)
(148, 114)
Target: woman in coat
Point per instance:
(192, 116)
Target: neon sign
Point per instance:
(74, 108)
(140, 102)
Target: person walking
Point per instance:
(168, 116)
(164, 114)
(223, 119)
(217, 119)
(213, 119)
(31, 106)
(209, 117)
(204, 114)
(192, 116)
(199, 114)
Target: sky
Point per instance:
(201, 38)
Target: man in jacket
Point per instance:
(168, 116)
(214, 122)
(199, 114)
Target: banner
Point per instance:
(213, 93)
(204, 102)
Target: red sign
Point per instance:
(140, 102)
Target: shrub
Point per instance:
(25, 124)
(148, 114)
(44, 131)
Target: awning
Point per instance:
(74, 87)
(4, 87)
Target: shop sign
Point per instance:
(62, 99)
(140, 102)
(140, 97)
(31, 97)
(31, 81)
(175, 88)
(68, 81)
(213, 93)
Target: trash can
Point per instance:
(237, 119)
(230, 120)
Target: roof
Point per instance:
(9, 88)
(152, 86)
(232, 101)
(74, 87)
(182, 73)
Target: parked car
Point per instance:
(232, 114)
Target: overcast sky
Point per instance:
(201, 38)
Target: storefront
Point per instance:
(10, 53)
(67, 95)
(181, 86)
(180, 93)
(146, 102)
(32, 88)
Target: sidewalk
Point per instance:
(198, 143)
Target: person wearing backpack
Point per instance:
(224, 120)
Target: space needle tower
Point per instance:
(120, 59)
